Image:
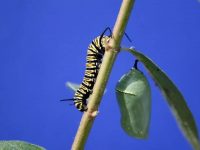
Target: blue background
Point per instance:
(43, 44)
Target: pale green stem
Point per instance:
(104, 72)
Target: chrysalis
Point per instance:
(134, 99)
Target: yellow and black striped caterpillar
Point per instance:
(94, 57)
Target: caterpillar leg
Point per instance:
(80, 105)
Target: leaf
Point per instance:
(72, 86)
(18, 145)
(174, 98)
(134, 99)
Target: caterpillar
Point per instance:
(95, 53)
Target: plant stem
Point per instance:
(110, 54)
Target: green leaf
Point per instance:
(174, 98)
(134, 99)
(72, 86)
(18, 145)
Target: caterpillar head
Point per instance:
(105, 40)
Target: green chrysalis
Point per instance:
(134, 99)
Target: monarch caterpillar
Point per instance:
(95, 53)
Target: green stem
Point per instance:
(110, 54)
